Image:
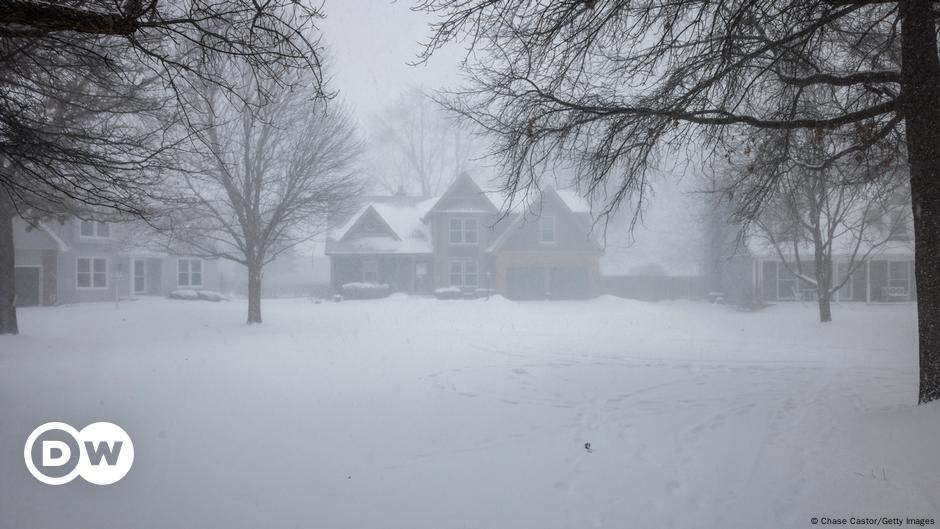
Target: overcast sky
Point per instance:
(372, 42)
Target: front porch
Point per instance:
(402, 273)
(888, 279)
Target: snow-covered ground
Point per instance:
(417, 413)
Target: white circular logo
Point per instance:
(101, 453)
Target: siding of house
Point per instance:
(463, 200)
(57, 248)
(568, 267)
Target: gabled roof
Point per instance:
(761, 248)
(581, 219)
(573, 200)
(463, 196)
(402, 230)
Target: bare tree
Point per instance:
(269, 167)
(87, 90)
(415, 147)
(816, 213)
(611, 84)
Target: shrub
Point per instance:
(209, 295)
(365, 290)
(192, 295)
(448, 293)
(184, 293)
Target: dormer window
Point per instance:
(463, 231)
(95, 230)
(547, 230)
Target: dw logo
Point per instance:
(101, 453)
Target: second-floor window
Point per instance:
(95, 230)
(463, 231)
(190, 273)
(91, 272)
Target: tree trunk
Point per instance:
(920, 89)
(254, 293)
(8, 323)
(825, 305)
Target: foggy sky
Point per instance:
(371, 43)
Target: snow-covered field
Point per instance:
(416, 413)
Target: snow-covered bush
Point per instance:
(191, 295)
(448, 293)
(365, 290)
(463, 293)
(209, 295)
(184, 293)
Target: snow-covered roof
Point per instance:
(519, 212)
(574, 201)
(403, 217)
(842, 246)
(531, 203)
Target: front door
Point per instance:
(140, 276)
(422, 276)
(27, 285)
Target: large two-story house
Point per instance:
(83, 260)
(462, 239)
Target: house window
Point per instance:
(547, 230)
(786, 283)
(140, 276)
(845, 293)
(91, 272)
(463, 274)
(93, 229)
(370, 271)
(899, 276)
(190, 273)
(463, 231)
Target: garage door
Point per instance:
(570, 282)
(565, 282)
(26, 279)
(525, 283)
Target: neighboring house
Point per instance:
(76, 260)
(887, 276)
(759, 275)
(461, 240)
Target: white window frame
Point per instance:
(368, 264)
(907, 280)
(791, 295)
(189, 272)
(548, 221)
(91, 272)
(463, 230)
(134, 275)
(96, 229)
(459, 268)
(847, 290)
